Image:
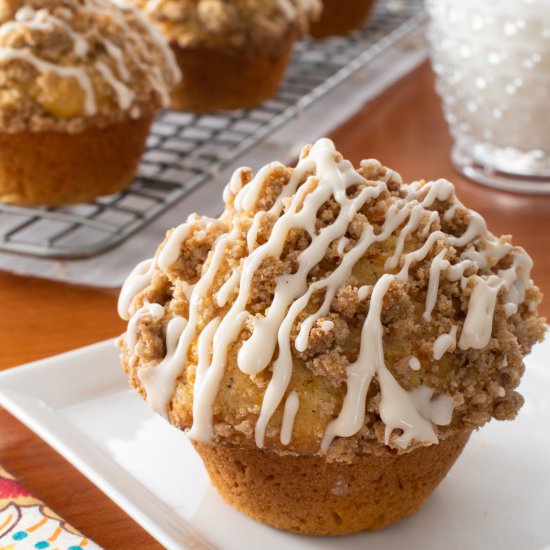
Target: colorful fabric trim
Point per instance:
(28, 524)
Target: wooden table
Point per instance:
(404, 129)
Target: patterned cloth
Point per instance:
(28, 524)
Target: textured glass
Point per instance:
(492, 60)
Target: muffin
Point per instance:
(340, 17)
(233, 54)
(80, 82)
(330, 341)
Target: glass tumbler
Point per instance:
(492, 61)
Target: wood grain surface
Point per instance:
(404, 128)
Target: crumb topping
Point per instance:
(66, 65)
(250, 26)
(254, 304)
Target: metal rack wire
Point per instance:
(185, 149)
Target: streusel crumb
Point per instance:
(254, 27)
(66, 65)
(479, 378)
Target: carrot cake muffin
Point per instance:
(233, 54)
(80, 81)
(331, 340)
(340, 17)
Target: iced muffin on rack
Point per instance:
(233, 54)
(80, 81)
(340, 17)
(331, 340)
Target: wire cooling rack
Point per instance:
(185, 149)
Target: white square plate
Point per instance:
(496, 497)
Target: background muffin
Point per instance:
(340, 17)
(331, 340)
(80, 81)
(233, 54)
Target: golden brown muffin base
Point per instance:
(340, 17)
(51, 168)
(216, 79)
(308, 495)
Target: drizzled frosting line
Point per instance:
(86, 71)
(320, 175)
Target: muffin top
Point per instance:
(252, 26)
(66, 65)
(331, 309)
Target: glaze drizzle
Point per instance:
(322, 174)
(86, 71)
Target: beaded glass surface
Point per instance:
(184, 149)
(492, 59)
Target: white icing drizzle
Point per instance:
(399, 409)
(415, 218)
(125, 96)
(456, 271)
(342, 243)
(510, 309)
(161, 43)
(252, 234)
(414, 412)
(342, 272)
(478, 324)
(438, 264)
(445, 343)
(289, 414)
(118, 56)
(359, 374)
(151, 6)
(139, 278)
(139, 52)
(433, 216)
(363, 292)
(41, 20)
(516, 278)
(288, 9)
(25, 13)
(375, 165)
(80, 44)
(248, 195)
(438, 190)
(78, 73)
(256, 353)
(438, 410)
(27, 17)
(172, 247)
(235, 184)
(205, 342)
(450, 212)
(208, 379)
(156, 311)
(207, 383)
(164, 374)
(228, 287)
(187, 289)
